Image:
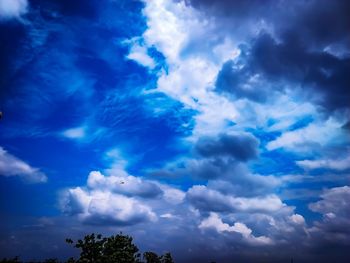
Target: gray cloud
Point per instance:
(305, 43)
(334, 228)
(316, 21)
(207, 199)
(321, 72)
(239, 147)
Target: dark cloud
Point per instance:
(307, 45)
(321, 22)
(209, 200)
(239, 147)
(317, 21)
(236, 9)
(289, 61)
(234, 81)
(330, 236)
(335, 208)
(210, 168)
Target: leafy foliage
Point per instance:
(13, 260)
(166, 258)
(151, 257)
(114, 249)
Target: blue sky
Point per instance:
(217, 130)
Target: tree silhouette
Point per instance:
(166, 258)
(114, 249)
(12, 260)
(151, 257)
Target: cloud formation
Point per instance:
(118, 199)
(215, 222)
(321, 72)
(333, 164)
(101, 207)
(12, 166)
(12, 9)
(211, 200)
(334, 207)
(232, 115)
(239, 147)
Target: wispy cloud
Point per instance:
(333, 164)
(75, 133)
(12, 166)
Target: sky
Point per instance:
(216, 130)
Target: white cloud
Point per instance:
(123, 184)
(167, 216)
(83, 134)
(13, 8)
(180, 33)
(75, 133)
(334, 164)
(172, 195)
(12, 166)
(195, 48)
(119, 198)
(297, 219)
(316, 135)
(215, 222)
(104, 207)
(139, 54)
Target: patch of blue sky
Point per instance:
(263, 136)
(277, 162)
(159, 58)
(301, 123)
(20, 199)
(132, 127)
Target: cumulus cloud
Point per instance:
(12, 8)
(179, 32)
(119, 199)
(322, 73)
(334, 201)
(215, 222)
(240, 147)
(211, 200)
(126, 185)
(12, 166)
(272, 82)
(309, 51)
(101, 207)
(335, 208)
